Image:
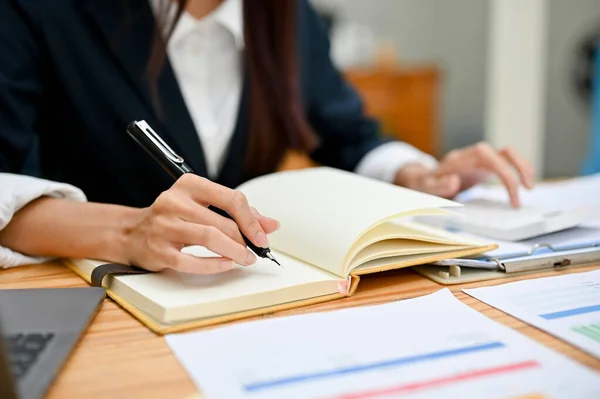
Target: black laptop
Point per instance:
(40, 328)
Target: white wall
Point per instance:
(515, 81)
(452, 33)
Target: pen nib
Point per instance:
(270, 256)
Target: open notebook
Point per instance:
(335, 226)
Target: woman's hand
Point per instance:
(463, 168)
(180, 217)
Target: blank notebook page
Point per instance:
(170, 289)
(322, 211)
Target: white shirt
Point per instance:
(206, 56)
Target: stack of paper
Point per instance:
(428, 347)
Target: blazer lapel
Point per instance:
(178, 121)
(232, 172)
(128, 27)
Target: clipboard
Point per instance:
(540, 257)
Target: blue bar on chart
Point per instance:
(402, 361)
(571, 312)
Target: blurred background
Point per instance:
(445, 74)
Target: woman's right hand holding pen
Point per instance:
(180, 217)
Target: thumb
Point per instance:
(446, 186)
(268, 224)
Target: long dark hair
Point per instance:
(276, 120)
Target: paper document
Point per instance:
(429, 347)
(570, 193)
(566, 306)
(506, 249)
(577, 237)
(586, 234)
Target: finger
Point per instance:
(525, 169)
(213, 239)
(186, 263)
(457, 161)
(442, 186)
(208, 193)
(268, 224)
(204, 216)
(490, 159)
(473, 178)
(184, 208)
(227, 226)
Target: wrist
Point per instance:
(120, 237)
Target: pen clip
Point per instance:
(158, 142)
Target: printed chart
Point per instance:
(566, 306)
(428, 347)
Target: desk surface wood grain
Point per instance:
(119, 358)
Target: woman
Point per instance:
(236, 85)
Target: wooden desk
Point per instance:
(120, 358)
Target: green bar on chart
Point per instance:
(591, 331)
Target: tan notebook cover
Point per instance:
(336, 226)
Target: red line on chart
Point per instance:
(418, 386)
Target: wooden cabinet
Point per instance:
(405, 100)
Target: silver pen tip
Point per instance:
(270, 256)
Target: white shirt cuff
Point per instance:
(383, 162)
(17, 191)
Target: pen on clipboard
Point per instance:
(174, 164)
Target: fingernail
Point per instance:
(278, 224)
(261, 239)
(250, 258)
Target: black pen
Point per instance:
(150, 141)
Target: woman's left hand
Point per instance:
(465, 167)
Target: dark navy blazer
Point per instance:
(72, 79)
